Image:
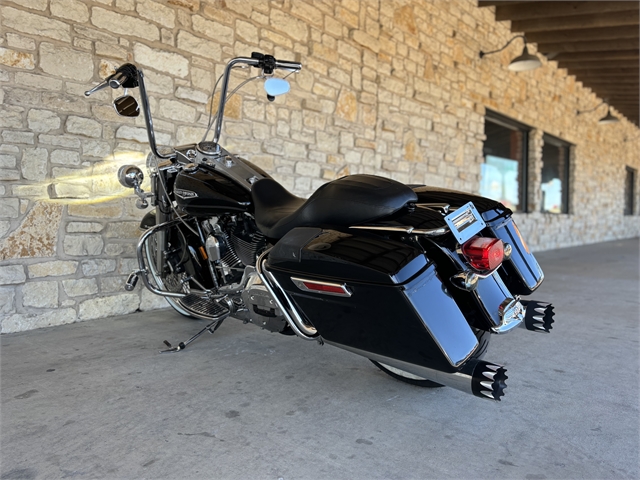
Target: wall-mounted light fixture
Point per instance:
(526, 61)
(608, 118)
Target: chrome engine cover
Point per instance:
(262, 308)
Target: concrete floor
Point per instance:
(96, 400)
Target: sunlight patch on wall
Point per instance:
(97, 183)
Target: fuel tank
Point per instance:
(202, 191)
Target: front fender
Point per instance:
(149, 220)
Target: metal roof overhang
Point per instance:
(596, 41)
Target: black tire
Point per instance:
(406, 377)
(169, 283)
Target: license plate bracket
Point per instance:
(465, 222)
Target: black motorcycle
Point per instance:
(415, 278)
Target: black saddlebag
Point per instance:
(370, 294)
(521, 273)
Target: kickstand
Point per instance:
(182, 345)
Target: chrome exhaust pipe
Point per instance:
(538, 316)
(477, 377)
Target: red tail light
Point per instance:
(328, 288)
(483, 253)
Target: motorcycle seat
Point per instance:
(350, 200)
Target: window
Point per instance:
(555, 175)
(630, 191)
(504, 172)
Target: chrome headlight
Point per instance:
(130, 176)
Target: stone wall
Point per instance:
(394, 88)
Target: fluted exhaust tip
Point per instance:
(538, 316)
(489, 381)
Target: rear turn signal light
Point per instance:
(483, 253)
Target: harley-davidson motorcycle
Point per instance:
(414, 278)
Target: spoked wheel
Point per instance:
(406, 377)
(171, 281)
(165, 281)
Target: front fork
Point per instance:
(162, 206)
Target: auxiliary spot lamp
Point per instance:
(608, 118)
(524, 62)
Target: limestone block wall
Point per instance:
(392, 87)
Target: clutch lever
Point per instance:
(100, 86)
(124, 76)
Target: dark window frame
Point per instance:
(558, 142)
(511, 124)
(630, 196)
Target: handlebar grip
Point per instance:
(268, 63)
(287, 65)
(126, 76)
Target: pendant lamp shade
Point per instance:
(608, 118)
(524, 62)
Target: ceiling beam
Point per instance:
(623, 103)
(606, 33)
(507, 11)
(608, 97)
(491, 3)
(626, 88)
(608, 80)
(577, 67)
(626, 54)
(621, 81)
(608, 72)
(613, 98)
(626, 106)
(596, 20)
(610, 87)
(590, 46)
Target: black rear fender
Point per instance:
(521, 273)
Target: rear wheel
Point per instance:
(406, 377)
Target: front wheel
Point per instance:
(406, 377)
(164, 279)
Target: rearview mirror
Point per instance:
(276, 86)
(126, 106)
